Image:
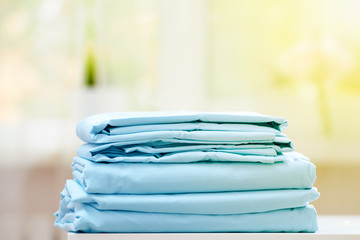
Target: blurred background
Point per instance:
(62, 60)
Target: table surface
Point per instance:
(330, 228)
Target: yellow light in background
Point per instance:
(291, 58)
(304, 52)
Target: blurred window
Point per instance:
(299, 59)
(61, 60)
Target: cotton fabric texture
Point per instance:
(85, 218)
(141, 172)
(147, 178)
(97, 128)
(191, 203)
(177, 153)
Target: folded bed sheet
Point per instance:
(110, 153)
(196, 137)
(250, 149)
(185, 126)
(85, 218)
(148, 178)
(190, 203)
(118, 152)
(190, 126)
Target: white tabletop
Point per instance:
(330, 228)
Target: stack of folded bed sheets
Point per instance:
(187, 172)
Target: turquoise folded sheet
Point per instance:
(85, 218)
(251, 149)
(191, 203)
(187, 172)
(191, 126)
(131, 127)
(197, 137)
(179, 152)
(111, 153)
(149, 178)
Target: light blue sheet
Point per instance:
(110, 153)
(250, 149)
(193, 137)
(96, 151)
(190, 126)
(191, 203)
(148, 178)
(88, 219)
(96, 128)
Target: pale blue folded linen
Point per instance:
(148, 178)
(193, 137)
(180, 153)
(90, 150)
(190, 126)
(110, 153)
(250, 149)
(85, 218)
(191, 203)
(99, 128)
